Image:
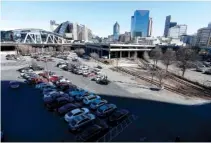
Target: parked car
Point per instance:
(106, 110)
(79, 72)
(90, 134)
(89, 99)
(63, 86)
(81, 96)
(103, 81)
(74, 113)
(200, 68)
(58, 102)
(68, 107)
(40, 85)
(99, 67)
(208, 71)
(61, 63)
(97, 103)
(36, 67)
(14, 84)
(117, 116)
(76, 123)
(25, 69)
(48, 90)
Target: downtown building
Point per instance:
(125, 38)
(116, 31)
(73, 31)
(168, 25)
(141, 24)
(177, 31)
(203, 38)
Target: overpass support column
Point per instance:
(109, 55)
(120, 56)
(136, 54)
(128, 54)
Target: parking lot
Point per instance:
(26, 119)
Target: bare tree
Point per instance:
(66, 48)
(61, 49)
(79, 51)
(94, 56)
(168, 58)
(160, 74)
(156, 55)
(185, 57)
(152, 71)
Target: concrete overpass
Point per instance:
(102, 49)
(118, 50)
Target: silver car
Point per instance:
(77, 122)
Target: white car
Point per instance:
(74, 113)
(14, 84)
(89, 99)
(63, 65)
(64, 80)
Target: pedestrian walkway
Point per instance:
(118, 129)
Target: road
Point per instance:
(25, 119)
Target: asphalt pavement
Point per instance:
(24, 117)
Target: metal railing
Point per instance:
(118, 129)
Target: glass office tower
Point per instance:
(116, 31)
(167, 25)
(140, 23)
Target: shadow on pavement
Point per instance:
(24, 118)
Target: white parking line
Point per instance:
(118, 129)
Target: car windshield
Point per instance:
(103, 108)
(91, 97)
(96, 102)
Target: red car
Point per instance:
(91, 74)
(54, 78)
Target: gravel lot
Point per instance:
(25, 119)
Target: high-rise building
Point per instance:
(172, 24)
(74, 31)
(209, 25)
(203, 38)
(131, 26)
(140, 23)
(53, 25)
(150, 27)
(168, 24)
(116, 31)
(177, 31)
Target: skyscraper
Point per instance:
(140, 23)
(116, 31)
(131, 33)
(150, 27)
(168, 24)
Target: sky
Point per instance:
(101, 16)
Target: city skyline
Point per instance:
(98, 17)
